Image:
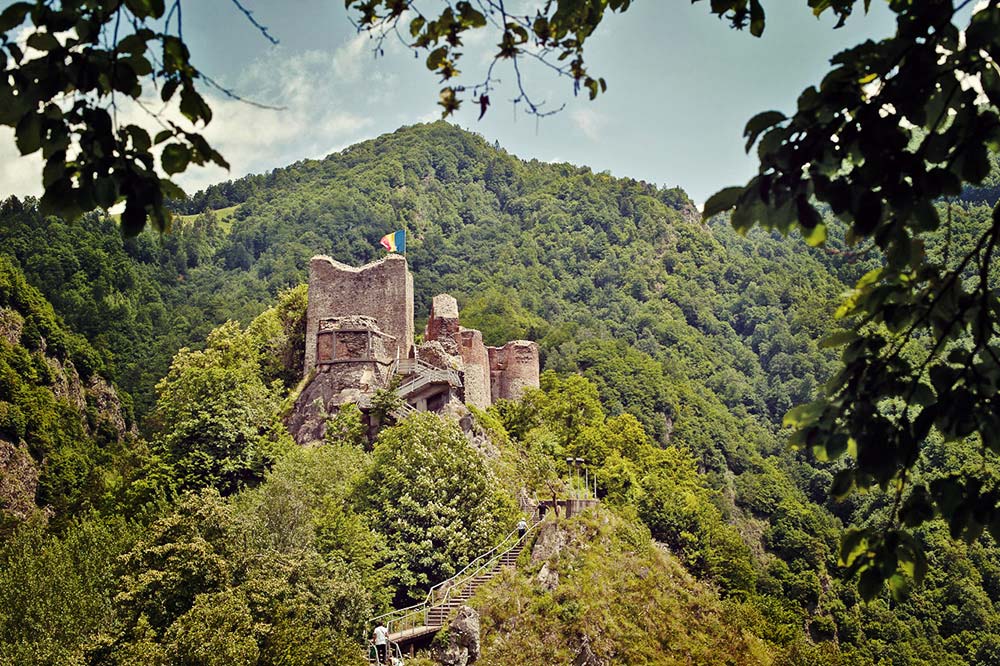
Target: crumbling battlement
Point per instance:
(513, 368)
(477, 368)
(382, 290)
(359, 321)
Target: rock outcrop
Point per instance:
(550, 541)
(18, 480)
(461, 644)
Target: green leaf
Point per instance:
(437, 57)
(471, 17)
(758, 124)
(133, 220)
(838, 339)
(175, 158)
(870, 584)
(168, 90)
(60, 199)
(918, 508)
(899, 586)
(853, 543)
(843, 481)
(13, 16)
(816, 236)
(145, 8)
(975, 164)
(830, 447)
(926, 216)
(721, 201)
(868, 213)
(105, 192)
(416, 25)
(756, 18)
(804, 415)
(42, 41)
(193, 105)
(136, 42)
(923, 395)
(171, 190)
(29, 133)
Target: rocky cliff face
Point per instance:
(43, 394)
(18, 480)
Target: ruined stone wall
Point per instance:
(513, 368)
(442, 324)
(477, 368)
(382, 290)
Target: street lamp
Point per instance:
(575, 464)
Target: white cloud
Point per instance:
(348, 60)
(590, 122)
(314, 119)
(19, 175)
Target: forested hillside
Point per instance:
(672, 350)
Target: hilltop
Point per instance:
(673, 349)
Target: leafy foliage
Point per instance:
(892, 129)
(199, 588)
(605, 567)
(56, 88)
(675, 349)
(216, 417)
(434, 502)
(56, 592)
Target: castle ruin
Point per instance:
(360, 336)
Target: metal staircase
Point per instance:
(421, 374)
(428, 616)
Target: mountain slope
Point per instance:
(705, 337)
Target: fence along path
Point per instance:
(428, 616)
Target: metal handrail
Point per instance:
(415, 365)
(460, 584)
(405, 618)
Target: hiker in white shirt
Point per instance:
(381, 639)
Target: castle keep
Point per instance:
(360, 336)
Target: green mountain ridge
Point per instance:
(692, 342)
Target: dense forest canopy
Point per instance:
(672, 350)
(894, 127)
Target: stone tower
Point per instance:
(382, 290)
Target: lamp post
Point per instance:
(572, 466)
(575, 464)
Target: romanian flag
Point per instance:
(395, 242)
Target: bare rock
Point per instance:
(11, 325)
(462, 645)
(547, 578)
(331, 387)
(550, 541)
(585, 656)
(441, 354)
(307, 421)
(67, 385)
(109, 406)
(18, 480)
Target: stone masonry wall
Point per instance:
(477, 368)
(442, 324)
(382, 290)
(513, 368)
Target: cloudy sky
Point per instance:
(681, 85)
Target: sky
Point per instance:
(681, 86)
